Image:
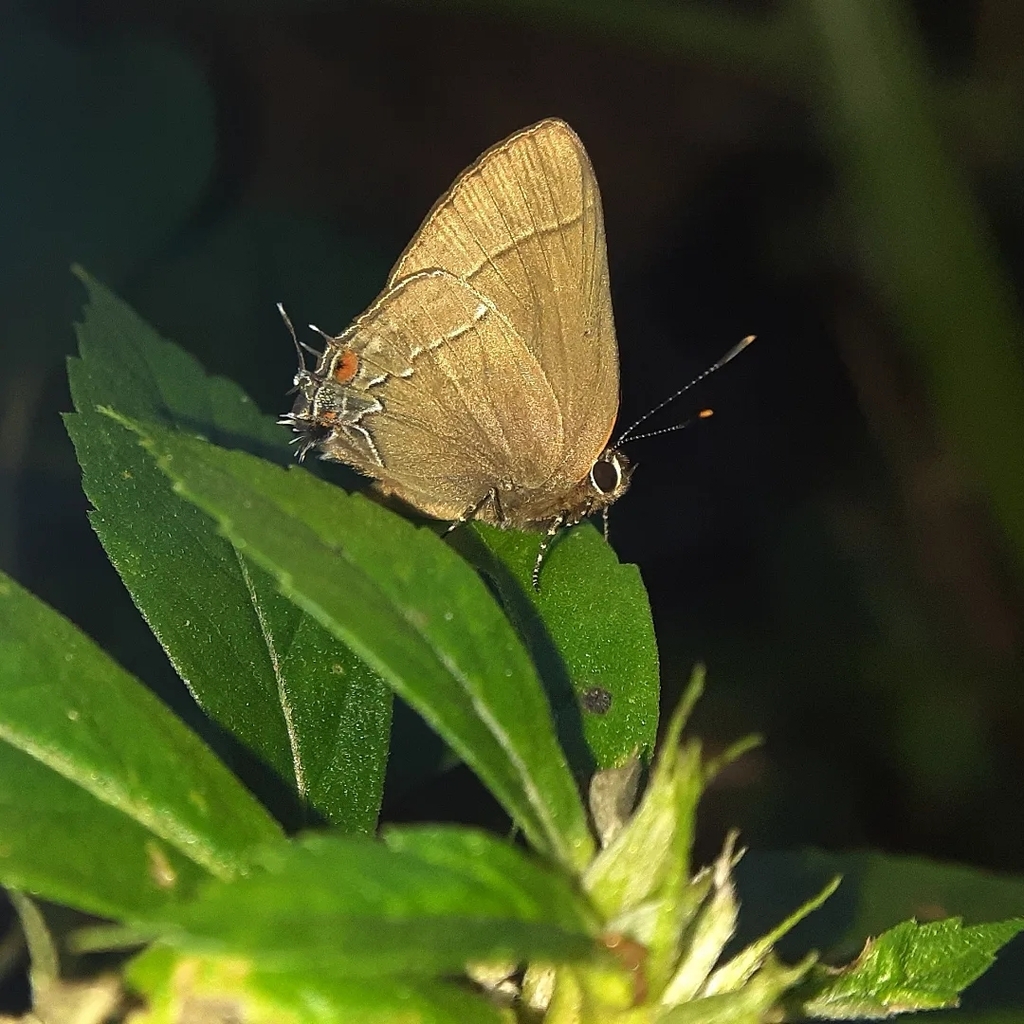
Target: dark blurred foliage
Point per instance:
(828, 543)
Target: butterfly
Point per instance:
(483, 382)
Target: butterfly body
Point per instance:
(483, 381)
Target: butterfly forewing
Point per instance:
(523, 226)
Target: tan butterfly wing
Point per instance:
(523, 228)
(436, 354)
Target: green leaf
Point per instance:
(410, 608)
(590, 633)
(422, 903)
(910, 967)
(86, 747)
(271, 675)
(503, 868)
(167, 979)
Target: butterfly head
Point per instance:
(607, 481)
(322, 406)
(326, 401)
(311, 429)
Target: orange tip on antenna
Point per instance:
(705, 413)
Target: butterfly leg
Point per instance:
(556, 524)
(474, 510)
(499, 512)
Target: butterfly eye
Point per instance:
(605, 475)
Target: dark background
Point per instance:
(841, 543)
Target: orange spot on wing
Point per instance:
(346, 367)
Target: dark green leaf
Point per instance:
(590, 633)
(66, 706)
(259, 666)
(421, 904)
(410, 608)
(910, 967)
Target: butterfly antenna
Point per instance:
(729, 356)
(323, 334)
(291, 331)
(702, 415)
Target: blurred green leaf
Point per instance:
(62, 843)
(590, 633)
(259, 666)
(910, 967)
(877, 892)
(108, 144)
(411, 608)
(735, 973)
(422, 903)
(66, 707)
(754, 1003)
(923, 238)
(167, 978)
(235, 269)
